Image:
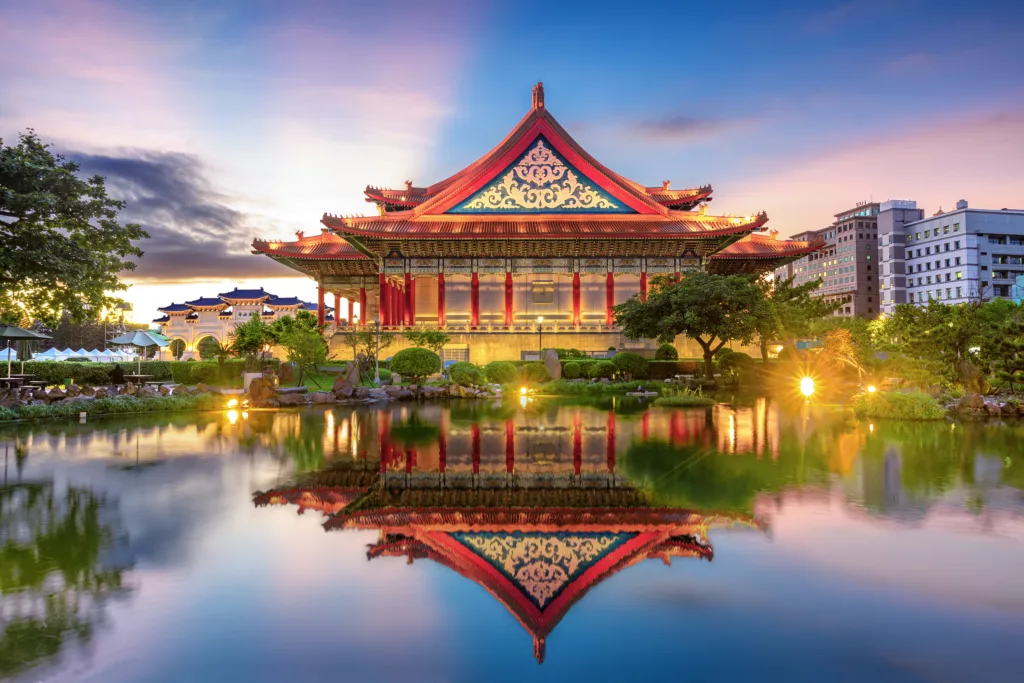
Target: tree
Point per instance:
(1008, 356)
(305, 347)
(251, 340)
(839, 350)
(177, 348)
(435, 340)
(788, 312)
(62, 244)
(416, 363)
(711, 309)
(365, 344)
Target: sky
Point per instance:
(219, 122)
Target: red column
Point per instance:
(362, 306)
(440, 299)
(475, 452)
(609, 299)
(508, 299)
(384, 432)
(407, 300)
(351, 312)
(337, 311)
(400, 298)
(610, 445)
(643, 285)
(474, 300)
(678, 276)
(383, 296)
(442, 451)
(577, 445)
(319, 305)
(396, 311)
(412, 301)
(645, 423)
(510, 446)
(575, 298)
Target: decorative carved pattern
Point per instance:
(457, 265)
(661, 265)
(542, 564)
(542, 265)
(492, 265)
(540, 181)
(627, 265)
(394, 266)
(423, 266)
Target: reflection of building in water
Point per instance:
(537, 541)
(883, 490)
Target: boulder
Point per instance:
(992, 408)
(399, 393)
(361, 392)
(1008, 409)
(342, 387)
(971, 403)
(377, 394)
(145, 392)
(351, 372)
(286, 373)
(321, 397)
(101, 392)
(202, 387)
(130, 389)
(39, 394)
(88, 391)
(552, 364)
(433, 392)
(396, 379)
(261, 390)
(164, 390)
(56, 394)
(73, 391)
(285, 400)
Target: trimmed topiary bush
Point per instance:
(416, 363)
(500, 372)
(571, 370)
(534, 372)
(465, 374)
(631, 365)
(894, 405)
(602, 369)
(666, 352)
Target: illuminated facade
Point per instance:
(536, 229)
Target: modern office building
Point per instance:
(847, 264)
(955, 256)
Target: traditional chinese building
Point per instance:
(216, 316)
(537, 233)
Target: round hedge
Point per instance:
(571, 370)
(465, 374)
(534, 373)
(415, 363)
(666, 352)
(631, 364)
(500, 372)
(602, 369)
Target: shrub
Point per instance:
(415, 363)
(666, 352)
(566, 388)
(500, 372)
(571, 370)
(181, 373)
(631, 365)
(898, 406)
(534, 373)
(564, 354)
(118, 405)
(602, 369)
(730, 361)
(663, 369)
(683, 398)
(465, 374)
(203, 372)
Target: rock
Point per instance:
(56, 394)
(399, 393)
(261, 390)
(1008, 409)
(342, 387)
(286, 373)
(145, 392)
(88, 391)
(101, 392)
(164, 390)
(552, 364)
(321, 397)
(73, 391)
(130, 389)
(378, 394)
(396, 379)
(351, 372)
(429, 392)
(971, 403)
(361, 392)
(285, 400)
(992, 409)
(39, 394)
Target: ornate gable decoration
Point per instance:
(541, 181)
(542, 565)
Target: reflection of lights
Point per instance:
(233, 403)
(245, 415)
(232, 416)
(871, 427)
(806, 386)
(872, 388)
(523, 401)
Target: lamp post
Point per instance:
(376, 353)
(540, 336)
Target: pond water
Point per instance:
(548, 540)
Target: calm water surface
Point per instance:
(554, 540)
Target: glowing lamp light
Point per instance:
(806, 386)
(233, 403)
(522, 391)
(232, 416)
(872, 388)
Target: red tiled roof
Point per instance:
(669, 197)
(325, 245)
(403, 197)
(765, 246)
(518, 227)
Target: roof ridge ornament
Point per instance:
(538, 95)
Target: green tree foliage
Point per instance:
(1007, 353)
(571, 370)
(630, 365)
(787, 312)
(710, 309)
(303, 341)
(365, 343)
(465, 374)
(177, 349)
(62, 245)
(416, 363)
(602, 369)
(500, 372)
(435, 340)
(534, 373)
(251, 340)
(666, 352)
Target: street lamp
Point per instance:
(376, 353)
(540, 335)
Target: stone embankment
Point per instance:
(35, 396)
(263, 393)
(978, 406)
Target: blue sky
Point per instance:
(221, 121)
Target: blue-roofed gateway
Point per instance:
(537, 231)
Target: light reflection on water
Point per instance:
(132, 549)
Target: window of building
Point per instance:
(956, 245)
(927, 233)
(947, 277)
(543, 292)
(959, 293)
(945, 229)
(959, 275)
(917, 235)
(997, 239)
(956, 261)
(956, 227)
(911, 297)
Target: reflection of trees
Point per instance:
(52, 574)
(415, 431)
